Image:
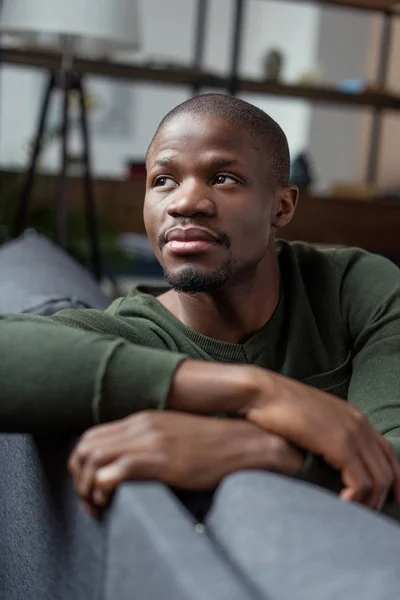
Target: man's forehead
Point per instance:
(186, 132)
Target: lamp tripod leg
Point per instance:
(62, 200)
(27, 189)
(90, 203)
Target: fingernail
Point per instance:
(99, 497)
(107, 473)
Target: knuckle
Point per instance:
(126, 465)
(344, 440)
(360, 419)
(389, 450)
(384, 486)
(364, 488)
(96, 457)
(89, 435)
(278, 445)
(82, 450)
(358, 423)
(157, 441)
(388, 481)
(146, 419)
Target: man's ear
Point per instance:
(285, 205)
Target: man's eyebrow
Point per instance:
(163, 162)
(220, 161)
(217, 161)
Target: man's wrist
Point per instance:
(210, 388)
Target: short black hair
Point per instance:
(268, 135)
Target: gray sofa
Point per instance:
(266, 537)
(49, 548)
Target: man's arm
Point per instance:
(184, 451)
(371, 310)
(56, 379)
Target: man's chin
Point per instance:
(191, 280)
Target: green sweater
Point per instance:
(336, 327)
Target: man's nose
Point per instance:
(191, 199)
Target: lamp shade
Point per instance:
(85, 26)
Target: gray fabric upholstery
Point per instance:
(37, 276)
(146, 548)
(294, 540)
(154, 552)
(49, 547)
(267, 537)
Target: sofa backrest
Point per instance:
(36, 276)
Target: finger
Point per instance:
(392, 458)
(94, 461)
(114, 439)
(137, 422)
(379, 469)
(76, 459)
(135, 468)
(356, 480)
(92, 438)
(99, 498)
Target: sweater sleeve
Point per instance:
(370, 299)
(371, 311)
(56, 379)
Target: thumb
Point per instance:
(132, 468)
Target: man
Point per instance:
(280, 334)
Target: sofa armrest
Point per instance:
(154, 551)
(145, 546)
(49, 547)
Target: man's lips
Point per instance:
(191, 234)
(190, 240)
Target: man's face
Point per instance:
(208, 203)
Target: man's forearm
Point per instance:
(210, 388)
(57, 379)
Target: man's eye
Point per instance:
(164, 181)
(221, 179)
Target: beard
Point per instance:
(191, 280)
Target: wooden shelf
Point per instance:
(383, 5)
(187, 76)
(52, 60)
(321, 94)
(372, 225)
(375, 5)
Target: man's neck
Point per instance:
(233, 314)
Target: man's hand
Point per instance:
(329, 427)
(184, 451)
(312, 420)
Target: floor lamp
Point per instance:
(75, 28)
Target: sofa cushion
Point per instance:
(36, 276)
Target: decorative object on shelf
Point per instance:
(351, 190)
(93, 28)
(353, 86)
(273, 65)
(311, 76)
(301, 172)
(135, 169)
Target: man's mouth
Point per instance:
(190, 240)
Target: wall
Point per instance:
(342, 53)
(168, 34)
(294, 29)
(388, 167)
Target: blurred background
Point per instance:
(327, 71)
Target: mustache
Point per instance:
(223, 238)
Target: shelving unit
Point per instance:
(320, 220)
(379, 5)
(195, 77)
